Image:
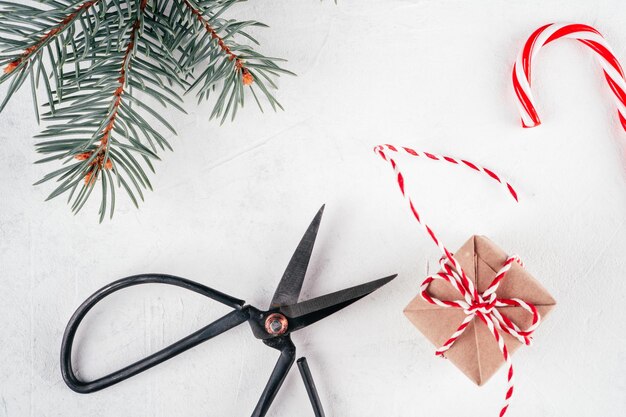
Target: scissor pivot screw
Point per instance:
(276, 324)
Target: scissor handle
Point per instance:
(230, 320)
(311, 390)
(281, 369)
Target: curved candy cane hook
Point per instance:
(587, 36)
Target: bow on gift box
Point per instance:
(482, 305)
(474, 304)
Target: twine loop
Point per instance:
(474, 304)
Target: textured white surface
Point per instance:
(231, 202)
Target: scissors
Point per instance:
(272, 326)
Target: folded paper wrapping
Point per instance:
(476, 352)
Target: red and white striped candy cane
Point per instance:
(474, 304)
(587, 36)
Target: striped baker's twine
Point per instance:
(584, 34)
(484, 306)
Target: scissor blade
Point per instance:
(290, 285)
(310, 311)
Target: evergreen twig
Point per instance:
(92, 58)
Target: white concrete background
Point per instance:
(231, 203)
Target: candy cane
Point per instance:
(587, 36)
(474, 304)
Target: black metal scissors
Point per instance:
(272, 326)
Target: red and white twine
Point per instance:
(474, 304)
(584, 34)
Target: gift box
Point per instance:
(475, 352)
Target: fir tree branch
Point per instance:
(246, 77)
(103, 115)
(101, 160)
(19, 64)
(228, 61)
(103, 62)
(48, 36)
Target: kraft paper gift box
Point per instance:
(476, 352)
